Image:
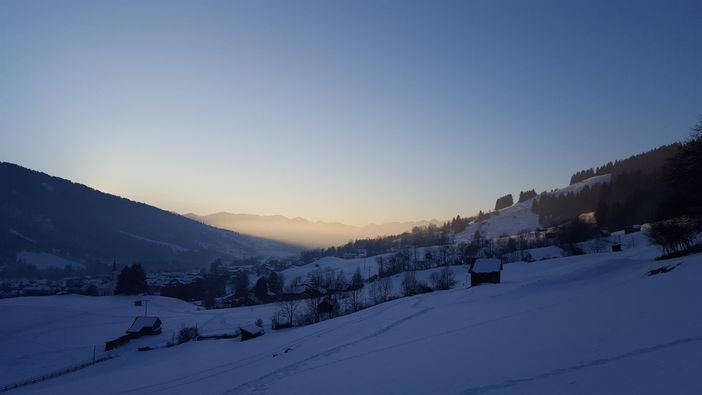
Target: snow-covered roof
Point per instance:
(143, 322)
(486, 265)
(252, 329)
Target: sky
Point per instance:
(350, 111)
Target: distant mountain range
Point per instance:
(45, 214)
(300, 231)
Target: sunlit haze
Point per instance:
(355, 112)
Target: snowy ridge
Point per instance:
(519, 217)
(578, 186)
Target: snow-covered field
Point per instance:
(41, 334)
(368, 267)
(587, 324)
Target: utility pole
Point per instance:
(146, 307)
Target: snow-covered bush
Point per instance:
(444, 279)
(187, 333)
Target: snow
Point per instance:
(368, 267)
(172, 246)
(578, 186)
(48, 333)
(252, 329)
(487, 265)
(547, 252)
(509, 221)
(21, 236)
(44, 260)
(592, 323)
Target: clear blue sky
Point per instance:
(349, 111)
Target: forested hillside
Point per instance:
(42, 213)
(635, 194)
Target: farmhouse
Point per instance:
(145, 326)
(485, 270)
(250, 332)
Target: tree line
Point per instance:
(419, 236)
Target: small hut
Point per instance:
(250, 332)
(485, 270)
(145, 326)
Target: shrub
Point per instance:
(444, 279)
(675, 235)
(188, 333)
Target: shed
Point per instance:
(145, 326)
(485, 270)
(120, 341)
(250, 332)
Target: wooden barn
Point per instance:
(145, 326)
(485, 270)
(120, 341)
(250, 332)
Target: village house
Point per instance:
(145, 326)
(485, 270)
(250, 332)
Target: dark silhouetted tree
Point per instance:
(241, 284)
(504, 201)
(275, 283)
(261, 289)
(131, 280)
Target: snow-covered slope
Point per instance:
(510, 221)
(578, 186)
(44, 334)
(519, 217)
(588, 324)
(368, 267)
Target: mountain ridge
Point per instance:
(44, 213)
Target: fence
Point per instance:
(56, 373)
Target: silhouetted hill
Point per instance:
(42, 213)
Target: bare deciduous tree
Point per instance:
(444, 279)
(409, 284)
(288, 305)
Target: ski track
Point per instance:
(261, 384)
(229, 367)
(579, 366)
